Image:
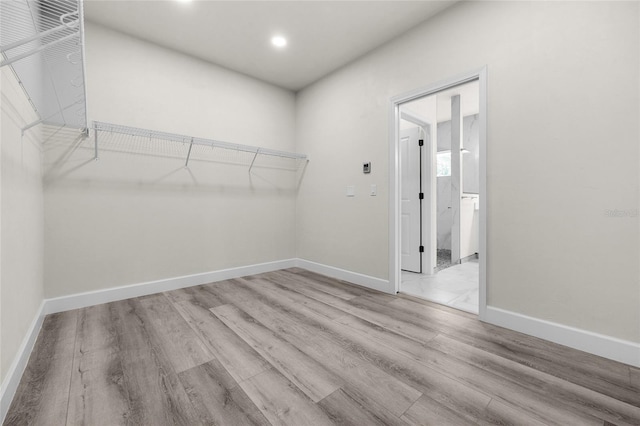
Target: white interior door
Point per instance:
(411, 257)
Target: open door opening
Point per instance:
(439, 172)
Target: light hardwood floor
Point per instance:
(296, 348)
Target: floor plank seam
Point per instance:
(545, 375)
(286, 311)
(412, 404)
(427, 366)
(258, 373)
(455, 379)
(75, 345)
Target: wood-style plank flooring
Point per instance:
(296, 348)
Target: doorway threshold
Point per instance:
(456, 286)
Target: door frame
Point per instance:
(395, 181)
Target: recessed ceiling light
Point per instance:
(184, 1)
(279, 41)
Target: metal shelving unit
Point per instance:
(118, 135)
(43, 42)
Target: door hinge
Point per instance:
(420, 142)
(421, 249)
(421, 196)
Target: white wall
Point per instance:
(21, 220)
(130, 218)
(563, 137)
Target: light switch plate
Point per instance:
(351, 191)
(374, 190)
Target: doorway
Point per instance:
(438, 193)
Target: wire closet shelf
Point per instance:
(43, 42)
(101, 129)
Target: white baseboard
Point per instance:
(597, 344)
(14, 374)
(343, 274)
(82, 300)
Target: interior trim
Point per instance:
(609, 347)
(82, 300)
(345, 275)
(14, 374)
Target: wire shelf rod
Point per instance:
(43, 34)
(47, 35)
(254, 159)
(34, 51)
(55, 12)
(152, 134)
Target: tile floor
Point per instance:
(443, 259)
(456, 286)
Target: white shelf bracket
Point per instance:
(186, 164)
(254, 159)
(95, 144)
(52, 33)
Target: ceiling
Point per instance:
(322, 35)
